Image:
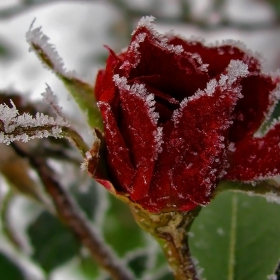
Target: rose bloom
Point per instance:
(180, 116)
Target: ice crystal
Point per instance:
(51, 99)
(25, 127)
(272, 197)
(272, 277)
(39, 43)
(141, 91)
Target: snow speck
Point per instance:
(88, 157)
(272, 277)
(220, 231)
(231, 147)
(272, 197)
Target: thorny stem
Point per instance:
(74, 218)
(171, 231)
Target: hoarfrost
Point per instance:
(236, 69)
(88, 157)
(274, 97)
(231, 147)
(141, 91)
(158, 139)
(272, 197)
(272, 277)
(121, 82)
(133, 48)
(37, 39)
(158, 40)
(14, 126)
(148, 98)
(146, 21)
(51, 99)
(211, 87)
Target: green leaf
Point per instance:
(236, 237)
(89, 268)
(9, 270)
(53, 243)
(83, 94)
(275, 4)
(87, 198)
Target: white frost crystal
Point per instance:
(47, 52)
(14, 126)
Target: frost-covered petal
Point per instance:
(251, 110)
(193, 158)
(138, 124)
(122, 171)
(170, 70)
(256, 88)
(256, 158)
(104, 85)
(217, 57)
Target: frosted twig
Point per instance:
(69, 212)
(25, 127)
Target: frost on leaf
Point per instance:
(51, 99)
(80, 90)
(25, 127)
(39, 43)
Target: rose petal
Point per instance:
(256, 158)
(158, 196)
(251, 110)
(122, 171)
(217, 57)
(104, 85)
(107, 184)
(179, 76)
(194, 151)
(140, 129)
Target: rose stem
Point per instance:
(71, 215)
(170, 229)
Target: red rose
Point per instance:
(180, 116)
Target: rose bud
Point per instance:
(180, 116)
